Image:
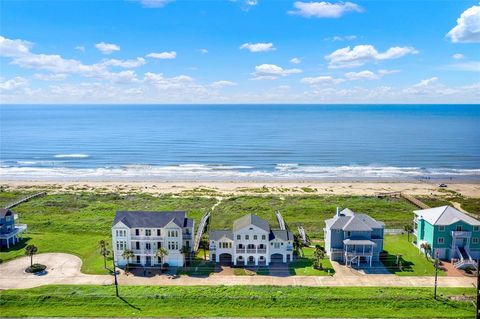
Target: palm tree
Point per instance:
(409, 229)
(127, 254)
(204, 245)
(319, 254)
(104, 252)
(30, 250)
(161, 253)
(426, 248)
(297, 244)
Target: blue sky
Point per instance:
(244, 51)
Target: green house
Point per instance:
(452, 235)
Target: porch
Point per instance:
(358, 251)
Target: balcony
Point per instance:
(187, 236)
(240, 250)
(152, 238)
(261, 251)
(144, 252)
(464, 234)
(251, 251)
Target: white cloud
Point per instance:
(203, 51)
(468, 26)
(295, 60)
(324, 9)
(158, 80)
(458, 56)
(221, 84)
(426, 86)
(14, 48)
(323, 79)
(341, 38)
(107, 48)
(163, 55)
(50, 77)
(368, 75)
(272, 72)
(80, 48)
(258, 47)
(12, 84)
(122, 77)
(361, 54)
(127, 64)
(154, 3)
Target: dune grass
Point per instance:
(237, 301)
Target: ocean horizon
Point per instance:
(240, 142)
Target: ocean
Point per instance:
(239, 142)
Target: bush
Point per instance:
(36, 268)
(165, 266)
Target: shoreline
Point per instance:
(224, 188)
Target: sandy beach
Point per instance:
(236, 188)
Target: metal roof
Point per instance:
(445, 215)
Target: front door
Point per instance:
(148, 261)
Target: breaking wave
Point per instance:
(71, 156)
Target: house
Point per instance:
(353, 238)
(145, 232)
(9, 231)
(450, 233)
(251, 242)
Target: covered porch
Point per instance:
(358, 251)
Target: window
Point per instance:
(172, 245)
(459, 228)
(148, 246)
(172, 233)
(239, 237)
(159, 233)
(263, 237)
(137, 245)
(148, 232)
(440, 240)
(348, 234)
(246, 237)
(121, 245)
(475, 228)
(255, 237)
(159, 244)
(138, 259)
(441, 228)
(137, 232)
(121, 233)
(276, 245)
(475, 240)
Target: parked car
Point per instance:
(442, 185)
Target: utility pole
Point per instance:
(436, 276)
(115, 273)
(477, 316)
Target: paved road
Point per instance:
(65, 269)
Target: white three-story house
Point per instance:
(145, 232)
(251, 242)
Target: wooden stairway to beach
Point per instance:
(25, 199)
(409, 198)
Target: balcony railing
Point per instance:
(187, 236)
(153, 238)
(143, 251)
(466, 234)
(240, 250)
(261, 251)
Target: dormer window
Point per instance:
(459, 228)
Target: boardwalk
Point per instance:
(25, 199)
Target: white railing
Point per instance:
(240, 250)
(467, 234)
(152, 238)
(261, 250)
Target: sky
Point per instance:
(239, 51)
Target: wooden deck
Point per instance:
(409, 198)
(25, 199)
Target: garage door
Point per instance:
(225, 259)
(276, 258)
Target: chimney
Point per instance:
(338, 211)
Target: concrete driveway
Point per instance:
(65, 269)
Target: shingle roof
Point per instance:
(248, 220)
(4, 212)
(445, 215)
(218, 234)
(144, 219)
(280, 234)
(350, 221)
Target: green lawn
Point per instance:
(304, 266)
(414, 261)
(237, 301)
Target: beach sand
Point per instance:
(225, 188)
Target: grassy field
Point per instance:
(304, 266)
(414, 261)
(237, 301)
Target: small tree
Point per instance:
(185, 250)
(127, 254)
(30, 250)
(398, 259)
(319, 254)
(104, 252)
(408, 229)
(297, 245)
(161, 253)
(204, 245)
(426, 248)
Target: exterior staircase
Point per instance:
(465, 259)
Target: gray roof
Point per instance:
(218, 234)
(143, 219)
(248, 220)
(280, 234)
(445, 215)
(4, 212)
(358, 242)
(350, 221)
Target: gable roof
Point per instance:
(445, 215)
(218, 234)
(5, 212)
(280, 234)
(144, 219)
(248, 220)
(350, 221)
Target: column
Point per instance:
(256, 260)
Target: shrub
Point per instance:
(35, 268)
